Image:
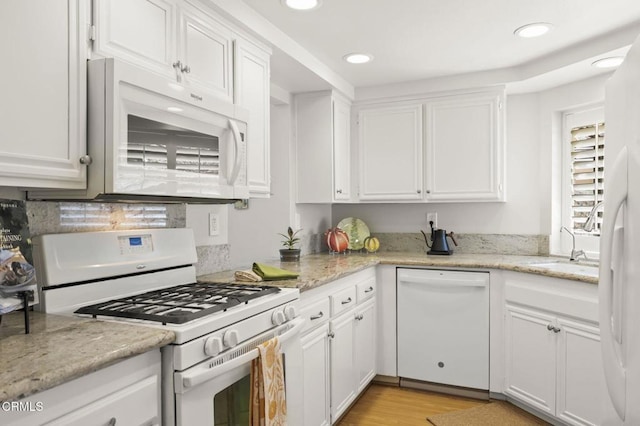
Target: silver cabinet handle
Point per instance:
(85, 160)
(339, 191)
(359, 317)
(553, 328)
(369, 290)
(186, 69)
(112, 422)
(331, 334)
(344, 302)
(318, 316)
(428, 191)
(419, 191)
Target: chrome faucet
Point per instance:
(574, 253)
(591, 218)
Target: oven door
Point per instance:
(217, 391)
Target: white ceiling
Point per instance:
(422, 40)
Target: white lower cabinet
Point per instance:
(343, 384)
(315, 350)
(552, 348)
(127, 393)
(339, 347)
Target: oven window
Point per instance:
(231, 405)
(155, 145)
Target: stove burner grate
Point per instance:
(179, 304)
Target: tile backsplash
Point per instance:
(47, 217)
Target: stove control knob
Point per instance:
(289, 312)
(230, 338)
(213, 346)
(278, 318)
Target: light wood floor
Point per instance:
(391, 405)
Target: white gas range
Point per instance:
(147, 277)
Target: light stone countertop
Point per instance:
(318, 269)
(62, 348)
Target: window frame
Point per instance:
(574, 118)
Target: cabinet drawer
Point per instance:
(316, 313)
(136, 404)
(365, 290)
(343, 300)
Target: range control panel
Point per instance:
(135, 244)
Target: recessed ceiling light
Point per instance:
(358, 58)
(533, 30)
(610, 62)
(302, 4)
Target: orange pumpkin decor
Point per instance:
(337, 240)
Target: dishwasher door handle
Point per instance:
(435, 282)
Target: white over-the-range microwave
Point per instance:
(149, 137)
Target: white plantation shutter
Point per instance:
(587, 174)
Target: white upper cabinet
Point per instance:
(252, 92)
(390, 152)
(139, 31)
(168, 36)
(464, 148)
(205, 52)
(322, 147)
(440, 149)
(42, 114)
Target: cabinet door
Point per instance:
(252, 92)
(43, 86)
(341, 150)
(205, 50)
(365, 346)
(315, 349)
(582, 390)
(531, 357)
(464, 148)
(390, 150)
(138, 31)
(343, 382)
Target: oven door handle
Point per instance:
(198, 375)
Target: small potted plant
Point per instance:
(290, 253)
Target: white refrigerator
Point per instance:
(619, 286)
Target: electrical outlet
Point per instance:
(432, 217)
(214, 224)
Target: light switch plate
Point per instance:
(214, 224)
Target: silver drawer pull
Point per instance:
(344, 302)
(315, 317)
(369, 290)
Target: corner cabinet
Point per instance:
(42, 113)
(464, 148)
(322, 132)
(432, 149)
(252, 80)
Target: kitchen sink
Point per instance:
(581, 268)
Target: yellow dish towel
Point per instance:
(268, 402)
(271, 273)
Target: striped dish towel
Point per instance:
(268, 402)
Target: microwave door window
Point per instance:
(158, 146)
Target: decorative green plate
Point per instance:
(357, 231)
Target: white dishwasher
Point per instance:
(443, 327)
